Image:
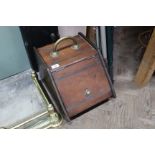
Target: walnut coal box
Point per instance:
(74, 74)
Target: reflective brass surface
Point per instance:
(54, 118)
(55, 53)
(43, 120)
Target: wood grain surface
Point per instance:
(80, 79)
(147, 66)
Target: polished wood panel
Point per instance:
(73, 81)
(80, 81)
(66, 53)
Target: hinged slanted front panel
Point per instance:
(82, 85)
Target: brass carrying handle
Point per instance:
(55, 52)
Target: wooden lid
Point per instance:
(67, 54)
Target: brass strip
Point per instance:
(29, 120)
(55, 118)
